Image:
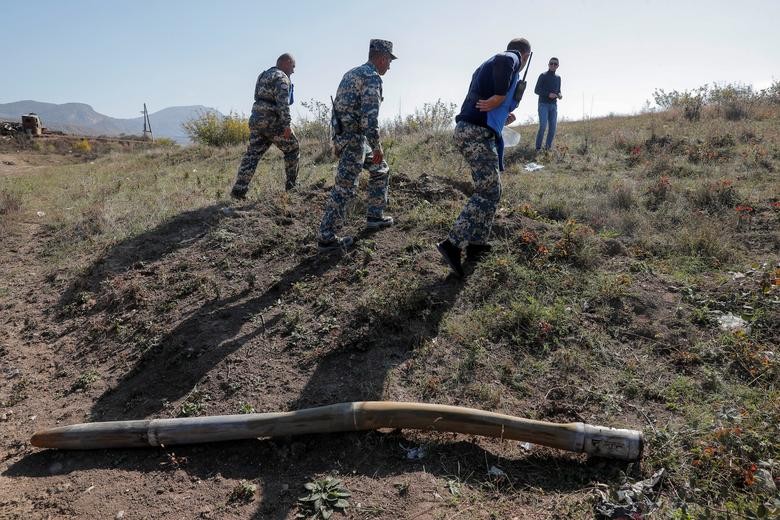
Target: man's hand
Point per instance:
(552, 95)
(378, 156)
(510, 119)
(560, 96)
(486, 105)
(287, 133)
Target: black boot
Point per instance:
(238, 193)
(451, 254)
(476, 252)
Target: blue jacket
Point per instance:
(492, 77)
(497, 76)
(547, 82)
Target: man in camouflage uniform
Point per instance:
(270, 124)
(356, 144)
(493, 94)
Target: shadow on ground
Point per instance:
(191, 350)
(176, 233)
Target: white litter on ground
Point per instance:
(532, 167)
(731, 322)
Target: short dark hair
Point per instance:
(284, 57)
(520, 45)
(374, 53)
(554, 58)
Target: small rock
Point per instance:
(40, 213)
(764, 481)
(496, 472)
(120, 514)
(415, 453)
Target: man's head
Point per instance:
(286, 63)
(553, 64)
(380, 53)
(521, 46)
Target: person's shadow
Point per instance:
(179, 232)
(198, 344)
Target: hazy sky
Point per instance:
(116, 56)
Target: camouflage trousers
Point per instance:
(262, 134)
(354, 156)
(478, 147)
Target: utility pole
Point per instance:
(147, 125)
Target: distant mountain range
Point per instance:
(80, 118)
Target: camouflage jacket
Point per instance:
(357, 101)
(272, 95)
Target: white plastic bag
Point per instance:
(511, 136)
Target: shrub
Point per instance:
(658, 192)
(577, 245)
(82, 146)
(212, 129)
(555, 208)
(165, 142)
(9, 202)
(733, 101)
(706, 242)
(772, 93)
(715, 195)
(689, 101)
(318, 127)
(622, 196)
(431, 118)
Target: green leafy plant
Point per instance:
(325, 496)
(245, 408)
(243, 492)
(85, 380)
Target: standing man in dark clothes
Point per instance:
(494, 92)
(548, 88)
(270, 124)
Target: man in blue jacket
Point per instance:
(548, 88)
(494, 92)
